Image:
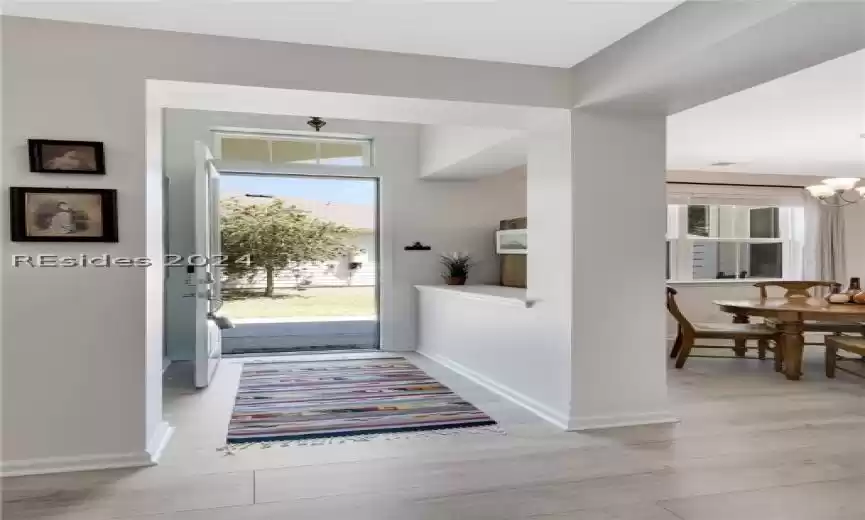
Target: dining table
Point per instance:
(790, 315)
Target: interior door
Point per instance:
(204, 267)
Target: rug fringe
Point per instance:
(231, 449)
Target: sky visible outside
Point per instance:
(351, 191)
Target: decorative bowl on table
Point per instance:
(836, 296)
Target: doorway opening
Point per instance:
(301, 262)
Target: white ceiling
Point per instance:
(807, 123)
(558, 33)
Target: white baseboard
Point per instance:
(17, 468)
(544, 412)
(617, 421)
(155, 447)
(397, 350)
(159, 440)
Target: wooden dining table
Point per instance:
(790, 314)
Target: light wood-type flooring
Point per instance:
(750, 446)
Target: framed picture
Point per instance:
(46, 156)
(512, 242)
(63, 215)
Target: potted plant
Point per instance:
(457, 266)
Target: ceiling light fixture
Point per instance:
(832, 191)
(317, 123)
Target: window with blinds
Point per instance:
(718, 232)
(714, 242)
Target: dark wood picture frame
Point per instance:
(18, 215)
(36, 148)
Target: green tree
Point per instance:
(274, 237)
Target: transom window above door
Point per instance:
(293, 149)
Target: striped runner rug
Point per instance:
(317, 399)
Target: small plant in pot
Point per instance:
(457, 266)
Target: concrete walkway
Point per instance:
(297, 333)
(302, 319)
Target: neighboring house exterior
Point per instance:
(331, 273)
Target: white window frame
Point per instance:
(271, 137)
(681, 261)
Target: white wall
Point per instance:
(76, 340)
(449, 216)
(702, 51)
(618, 373)
(504, 195)
(854, 229)
(449, 151)
(2, 244)
(85, 344)
(549, 275)
(570, 357)
(502, 345)
(522, 352)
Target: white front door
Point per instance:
(205, 266)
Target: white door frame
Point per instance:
(255, 169)
(202, 269)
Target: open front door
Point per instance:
(204, 267)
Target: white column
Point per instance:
(618, 223)
(550, 267)
(157, 431)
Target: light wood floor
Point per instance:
(751, 445)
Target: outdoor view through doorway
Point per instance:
(301, 271)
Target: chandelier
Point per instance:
(838, 192)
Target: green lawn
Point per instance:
(287, 303)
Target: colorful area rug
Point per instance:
(318, 399)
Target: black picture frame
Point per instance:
(18, 207)
(40, 151)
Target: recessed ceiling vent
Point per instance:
(723, 163)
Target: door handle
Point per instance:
(206, 294)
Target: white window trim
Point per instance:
(318, 139)
(681, 244)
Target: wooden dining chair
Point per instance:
(689, 332)
(794, 288)
(802, 289)
(847, 343)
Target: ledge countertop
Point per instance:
(492, 293)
